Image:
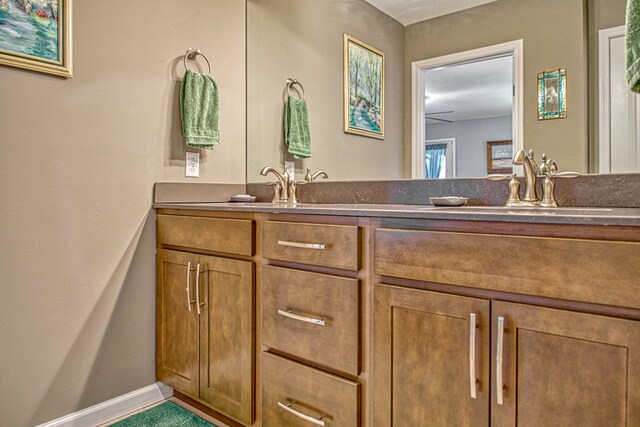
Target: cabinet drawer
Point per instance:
(594, 271)
(325, 245)
(309, 392)
(313, 316)
(233, 236)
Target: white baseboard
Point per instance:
(114, 408)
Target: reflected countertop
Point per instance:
(566, 215)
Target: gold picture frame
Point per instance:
(552, 94)
(499, 156)
(363, 89)
(51, 51)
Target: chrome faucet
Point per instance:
(282, 183)
(530, 177)
(312, 177)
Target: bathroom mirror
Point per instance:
(303, 39)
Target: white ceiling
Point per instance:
(476, 90)
(409, 12)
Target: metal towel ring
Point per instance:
(191, 55)
(290, 82)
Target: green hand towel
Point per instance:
(296, 128)
(199, 106)
(632, 43)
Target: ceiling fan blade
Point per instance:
(440, 120)
(439, 112)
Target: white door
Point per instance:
(619, 108)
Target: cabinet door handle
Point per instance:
(188, 285)
(290, 314)
(288, 408)
(320, 246)
(499, 350)
(198, 288)
(472, 355)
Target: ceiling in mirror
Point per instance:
(409, 12)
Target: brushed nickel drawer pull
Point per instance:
(288, 408)
(472, 355)
(292, 315)
(198, 289)
(188, 285)
(499, 349)
(320, 246)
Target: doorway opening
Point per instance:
(440, 158)
(472, 97)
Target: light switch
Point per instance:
(192, 165)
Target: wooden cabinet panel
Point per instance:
(422, 351)
(234, 236)
(601, 272)
(226, 341)
(332, 299)
(341, 244)
(308, 392)
(176, 326)
(566, 368)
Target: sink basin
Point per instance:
(523, 210)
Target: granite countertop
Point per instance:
(569, 215)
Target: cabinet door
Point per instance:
(226, 336)
(564, 368)
(176, 322)
(426, 349)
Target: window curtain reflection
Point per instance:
(435, 157)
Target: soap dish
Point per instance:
(448, 201)
(243, 198)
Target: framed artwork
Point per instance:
(499, 156)
(552, 94)
(363, 89)
(36, 35)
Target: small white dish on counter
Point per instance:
(448, 201)
(246, 198)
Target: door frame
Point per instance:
(604, 91)
(514, 48)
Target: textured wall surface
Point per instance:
(78, 160)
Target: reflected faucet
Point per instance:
(312, 177)
(530, 177)
(283, 180)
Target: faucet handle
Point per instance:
(514, 187)
(498, 177)
(549, 187)
(293, 190)
(277, 190)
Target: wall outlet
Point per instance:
(192, 165)
(290, 169)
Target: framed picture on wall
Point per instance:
(36, 35)
(552, 94)
(363, 89)
(499, 156)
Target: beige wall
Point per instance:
(78, 160)
(554, 37)
(303, 39)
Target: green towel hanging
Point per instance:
(296, 128)
(632, 44)
(199, 110)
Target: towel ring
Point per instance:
(290, 82)
(191, 55)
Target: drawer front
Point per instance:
(308, 392)
(313, 316)
(233, 236)
(325, 245)
(595, 271)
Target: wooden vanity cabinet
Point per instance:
(205, 329)
(558, 367)
(547, 366)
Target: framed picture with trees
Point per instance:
(36, 35)
(363, 89)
